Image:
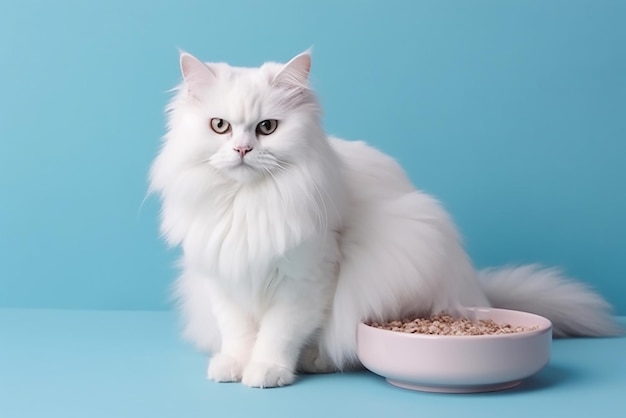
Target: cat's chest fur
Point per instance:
(247, 233)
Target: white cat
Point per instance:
(290, 238)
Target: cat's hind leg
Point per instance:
(314, 359)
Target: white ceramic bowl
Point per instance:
(459, 364)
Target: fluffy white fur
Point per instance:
(286, 247)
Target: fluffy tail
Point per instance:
(573, 308)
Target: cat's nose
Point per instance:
(242, 150)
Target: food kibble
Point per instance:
(448, 325)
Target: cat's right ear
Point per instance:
(197, 75)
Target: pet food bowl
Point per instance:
(459, 364)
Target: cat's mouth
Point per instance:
(243, 163)
(243, 171)
(232, 164)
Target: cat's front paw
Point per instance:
(224, 368)
(267, 375)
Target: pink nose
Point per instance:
(243, 150)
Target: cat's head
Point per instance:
(245, 123)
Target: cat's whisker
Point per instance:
(276, 183)
(323, 200)
(320, 215)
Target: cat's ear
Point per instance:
(195, 73)
(295, 72)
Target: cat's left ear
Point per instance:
(296, 71)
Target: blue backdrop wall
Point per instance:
(512, 113)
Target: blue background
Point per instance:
(512, 113)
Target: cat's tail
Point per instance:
(574, 308)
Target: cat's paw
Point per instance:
(224, 368)
(267, 375)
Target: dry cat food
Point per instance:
(448, 325)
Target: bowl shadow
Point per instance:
(550, 376)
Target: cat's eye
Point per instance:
(266, 127)
(220, 126)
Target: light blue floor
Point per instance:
(132, 364)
